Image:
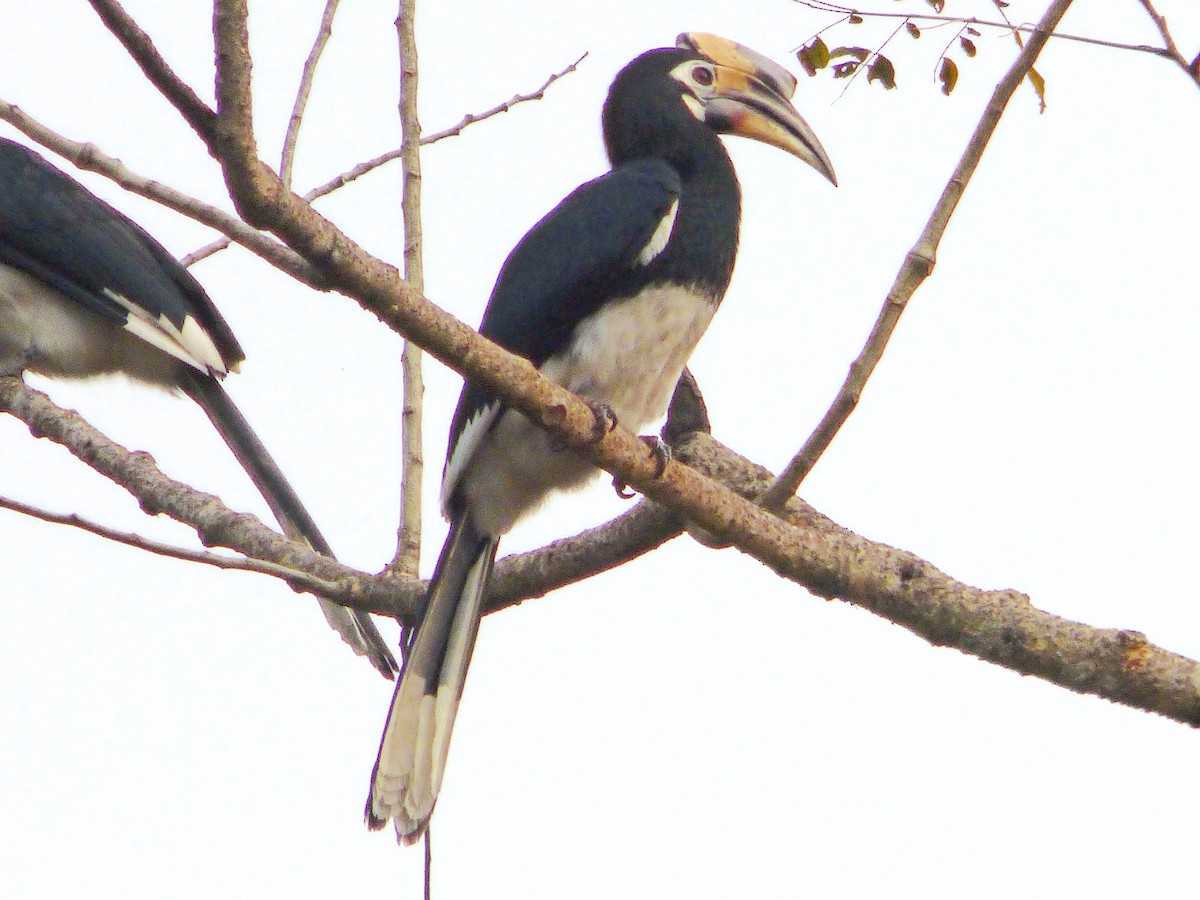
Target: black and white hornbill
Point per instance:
(607, 295)
(85, 291)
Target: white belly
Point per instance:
(629, 356)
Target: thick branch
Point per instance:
(156, 493)
(516, 578)
(916, 268)
(1001, 627)
(139, 46)
(998, 626)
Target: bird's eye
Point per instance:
(703, 76)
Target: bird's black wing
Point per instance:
(567, 265)
(58, 232)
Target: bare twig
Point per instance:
(412, 472)
(916, 268)
(139, 46)
(290, 139)
(1171, 50)
(238, 563)
(838, 9)
(473, 118)
(340, 181)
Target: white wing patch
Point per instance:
(662, 234)
(464, 448)
(190, 344)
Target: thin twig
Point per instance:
(340, 181)
(412, 467)
(288, 157)
(916, 268)
(297, 577)
(840, 10)
(1172, 50)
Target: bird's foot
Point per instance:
(662, 456)
(605, 419)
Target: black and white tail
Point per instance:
(412, 755)
(355, 628)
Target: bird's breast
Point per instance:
(629, 353)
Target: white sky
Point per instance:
(688, 725)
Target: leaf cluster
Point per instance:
(847, 60)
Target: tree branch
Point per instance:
(299, 578)
(918, 265)
(302, 92)
(1001, 627)
(516, 578)
(830, 561)
(340, 181)
(412, 470)
(1171, 50)
(139, 46)
(838, 9)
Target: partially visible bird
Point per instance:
(607, 295)
(85, 291)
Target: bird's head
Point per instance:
(707, 78)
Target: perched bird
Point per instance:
(607, 295)
(85, 291)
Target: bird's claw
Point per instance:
(661, 450)
(605, 419)
(662, 456)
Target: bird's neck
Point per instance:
(707, 225)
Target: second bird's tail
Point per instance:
(355, 628)
(416, 739)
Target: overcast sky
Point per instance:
(688, 725)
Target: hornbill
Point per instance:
(85, 291)
(607, 295)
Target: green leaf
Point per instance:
(814, 56)
(968, 46)
(913, 30)
(948, 75)
(845, 70)
(883, 71)
(859, 53)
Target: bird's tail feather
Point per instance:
(416, 738)
(355, 627)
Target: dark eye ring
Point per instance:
(703, 76)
